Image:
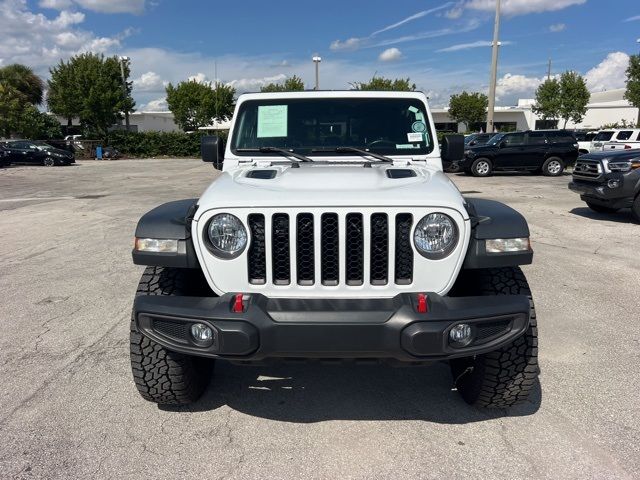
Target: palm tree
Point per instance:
(25, 81)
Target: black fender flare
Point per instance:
(490, 220)
(170, 221)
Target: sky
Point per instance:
(442, 46)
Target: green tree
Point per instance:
(548, 100)
(196, 104)
(575, 97)
(29, 85)
(468, 108)
(291, 84)
(38, 125)
(89, 87)
(11, 107)
(381, 83)
(633, 83)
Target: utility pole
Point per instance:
(317, 60)
(549, 70)
(125, 90)
(494, 70)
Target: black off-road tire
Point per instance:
(635, 209)
(553, 167)
(481, 167)
(601, 209)
(163, 376)
(504, 377)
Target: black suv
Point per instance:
(544, 151)
(36, 152)
(608, 181)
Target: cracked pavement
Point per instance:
(69, 408)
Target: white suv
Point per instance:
(618, 139)
(332, 233)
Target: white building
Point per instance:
(604, 108)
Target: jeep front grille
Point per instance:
(353, 249)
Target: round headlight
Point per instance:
(436, 236)
(227, 236)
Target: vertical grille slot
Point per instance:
(379, 249)
(354, 249)
(257, 250)
(305, 260)
(330, 249)
(404, 252)
(280, 253)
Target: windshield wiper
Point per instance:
(363, 153)
(281, 151)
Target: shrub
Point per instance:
(157, 144)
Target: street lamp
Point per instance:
(494, 70)
(124, 89)
(317, 60)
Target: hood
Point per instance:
(611, 155)
(59, 151)
(320, 185)
(481, 148)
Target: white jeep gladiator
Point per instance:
(332, 233)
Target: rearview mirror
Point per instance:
(212, 150)
(452, 148)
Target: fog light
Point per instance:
(460, 335)
(202, 334)
(613, 183)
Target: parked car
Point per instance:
(37, 152)
(584, 139)
(4, 157)
(477, 139)
(546, 151)
(615, 139)
(608, 181)
(342, 243)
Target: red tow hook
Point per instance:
(238, 305)
(422, 303)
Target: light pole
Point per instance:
(494, 70)
(124, 89)
(317, 60)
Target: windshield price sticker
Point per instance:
(272, 121)
(414, 137)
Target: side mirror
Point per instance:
(452, 148)
(212, 150)
(472, 143)
(502, 144)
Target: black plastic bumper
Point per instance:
(600, 194)
(332, 328)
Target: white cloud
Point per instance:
(608, 74)
(157, 105)
(102, 6)
(254, 84)
(355, 43)
(411, 18)
(467, 46)
(557, 27)
(199, 77)
(454, 13)
(510, 88)
(633, 19)
(390, 55)
(149, 82)
(522, 7)
(349, 44)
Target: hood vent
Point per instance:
(262, 174)
(401, 173)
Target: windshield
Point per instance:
(495, 139)
(388, 126)
(603, 136)
(43, 145)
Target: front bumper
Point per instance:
(599, 193)
(332, 328)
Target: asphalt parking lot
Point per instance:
(68, 406)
